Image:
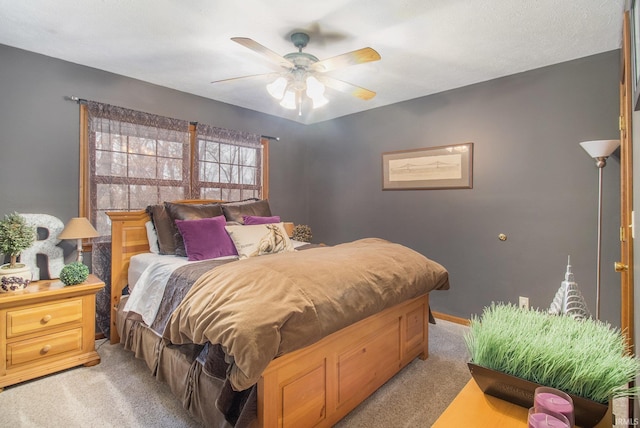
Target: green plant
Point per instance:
(74, 273)
(586, 358)
(15, 236)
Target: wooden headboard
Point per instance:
(128, 238)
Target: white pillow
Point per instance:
(152, 237)
(259, 239)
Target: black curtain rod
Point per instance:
(75, 99)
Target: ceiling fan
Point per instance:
(300, 73)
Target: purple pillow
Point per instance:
(206, 238)
(250, 220)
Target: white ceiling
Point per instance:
(427, 46)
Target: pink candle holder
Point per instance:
(554, 400)
(542, 418)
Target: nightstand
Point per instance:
(47, 327)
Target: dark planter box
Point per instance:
(519, 391)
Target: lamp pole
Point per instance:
(600, 163)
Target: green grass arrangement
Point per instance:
(584, 358)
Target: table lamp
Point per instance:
(78, 228)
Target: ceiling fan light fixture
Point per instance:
(319, 101)
(314, 87)
(299, 82)
(277, 87)
(289, 100)
(315, 91)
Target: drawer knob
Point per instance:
(46, 319)
(45, 349)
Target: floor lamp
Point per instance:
(600, 150)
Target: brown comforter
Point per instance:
(262, 307)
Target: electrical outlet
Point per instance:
(523, 302)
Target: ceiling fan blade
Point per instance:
(350, 58)
(265, 52)
(247, 77)
(349, 88)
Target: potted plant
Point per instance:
(514, 350)
(15, 236)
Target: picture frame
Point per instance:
(442, 167)
(634, 18)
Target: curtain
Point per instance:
(135, 159)
(131, 159)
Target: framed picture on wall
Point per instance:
(443, 167)
(634, 17)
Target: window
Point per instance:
(130, 160)
(226, 168)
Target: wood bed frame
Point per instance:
(317, 385)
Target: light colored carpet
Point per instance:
(120, 392)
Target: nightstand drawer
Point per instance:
(44, 347)
(38, 318)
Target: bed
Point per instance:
(298, 384)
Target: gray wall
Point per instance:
(532, 182)
(39, 136)
(531, 179)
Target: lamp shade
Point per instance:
(289, 100)
(78, 228)
(277, 87)
(600, 148)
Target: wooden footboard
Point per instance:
(320, 384)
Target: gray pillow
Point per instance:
(165, 228)
(177, 211)
(234, 211)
